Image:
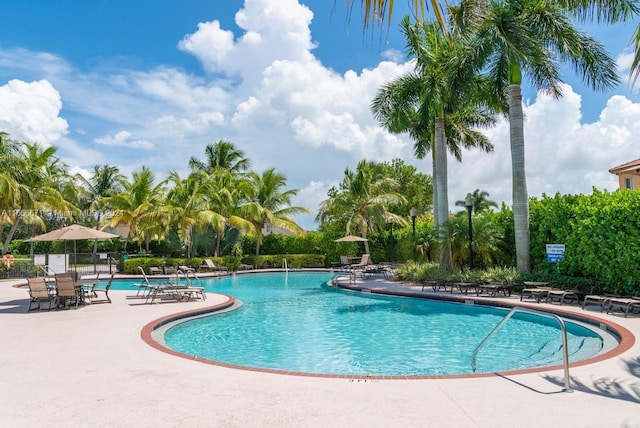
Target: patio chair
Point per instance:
(39, 292)
(100, 289)
(66, 289)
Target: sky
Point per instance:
(289, 82)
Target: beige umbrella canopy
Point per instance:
(351, 238)
(72, 233)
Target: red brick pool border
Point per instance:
(626, 338)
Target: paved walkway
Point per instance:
(88, 367)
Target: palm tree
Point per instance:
(269, 203)
(481, 201)
(226, 165)
(377, 11)
(438, 100)
(186, 206)
(362, 201)
(221, 155)
(40, 176)
(135, 204)
(105, 181)
(515, 38)
(227, 192)
(10, 188)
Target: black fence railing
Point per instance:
(84, 264)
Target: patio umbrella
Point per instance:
(351, 238)
(72, 233)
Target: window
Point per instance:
(628, 183)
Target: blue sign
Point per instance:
(555, 253)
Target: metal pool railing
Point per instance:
(565, 352)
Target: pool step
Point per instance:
(579, 348)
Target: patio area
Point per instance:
(89, 367)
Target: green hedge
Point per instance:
(232, 262)
(601, 233)
(294, 261)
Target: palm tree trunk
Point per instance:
(363, 233)
(435, 188)
(442, 207)
(520, 195)
(216, 252)
(12, 230)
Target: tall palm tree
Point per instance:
(221, 155)
(362, 201)
(135, 205)
(438, 103)
(515, 38)
(271, 204)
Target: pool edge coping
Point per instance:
(626, 337)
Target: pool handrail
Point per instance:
(565, 352)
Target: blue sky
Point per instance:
(152, 82)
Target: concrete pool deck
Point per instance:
(89, 367)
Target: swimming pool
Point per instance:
(295, 323)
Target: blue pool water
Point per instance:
(294, 322)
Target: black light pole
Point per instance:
(413, 212)
(393, 245)
(468, 202)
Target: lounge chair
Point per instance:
(597, 297)
(365, 260)
(143, 287)
(561, 295)
(155, 270)
(625, 304)
(493, 289)
(39, 292)
(212, 267)
(170, 270)
(186, 269)
(359, 268)
(535, 290)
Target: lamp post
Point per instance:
(413, 212)
(468, 202)
(393, 245)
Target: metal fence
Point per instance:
(85, 264)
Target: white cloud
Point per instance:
(624, 61)
(30, 111)
(123, 138)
